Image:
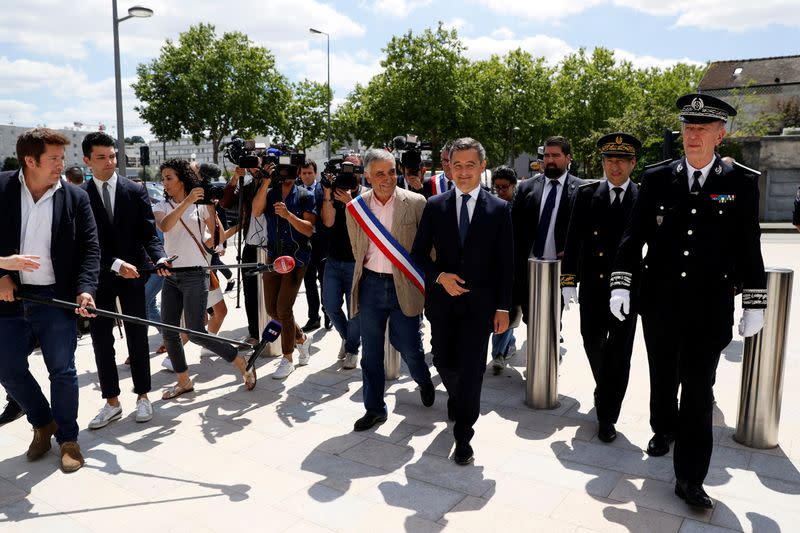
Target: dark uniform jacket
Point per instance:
(525, 217)
(594, 233)
(699, 246)
(74, 249)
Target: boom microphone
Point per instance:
(282, 265)
(270, 333)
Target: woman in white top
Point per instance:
(186, 226)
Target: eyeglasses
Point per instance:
(503, 187)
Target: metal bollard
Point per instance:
(274, 348)
(391, 358)
(762, 367)
(544, 317)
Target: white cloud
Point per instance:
(457, 23)
(551, 48)
(702, 14)
(646, 61)
(397, 8)
(503, 33)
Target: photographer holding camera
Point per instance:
(290, 215)
(340, 182)
(319, 249)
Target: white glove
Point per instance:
(620, 303)
(569, 295)
(751, 323)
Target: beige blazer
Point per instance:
(407, 213)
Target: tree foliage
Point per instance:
(305, 118)
(10, 163)
(210, 87)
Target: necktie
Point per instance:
(107, 202)
(463, 219)
(696, 185)
(544, 220)
(618, 198)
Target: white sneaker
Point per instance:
(106, 415)
(167, 363)
(303, 349)
(144, 410)
(498, 362)
(350, 361)
(341, 352)
(285, 367)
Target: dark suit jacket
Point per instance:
(525, 216)
(131, 236)
(595, 230)
(74, 249)
(485, 262)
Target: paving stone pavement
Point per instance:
(284, 457)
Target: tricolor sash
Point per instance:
(438, 184)
(380, 237)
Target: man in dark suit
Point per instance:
(127, 233)
(541, 214)
(599, 215)
(468, 285)
(699, 218)
(43, 215)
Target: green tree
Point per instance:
(210, 87)
(305, 119)
(10, 163)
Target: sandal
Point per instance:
(250, 379)
(176, 390)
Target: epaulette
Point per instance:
(659, 164)
(747, 170)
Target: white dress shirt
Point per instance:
(550, 243)
(612, 195)
(705, 170)
(36, 232)
(112, 191)
(473, 199)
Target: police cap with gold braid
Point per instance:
(702, 108)
(619, 144)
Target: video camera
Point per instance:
(250, 154)
(287, 163)
(411, 151)
(245, 153)
(340, 174)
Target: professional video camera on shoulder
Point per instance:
(411, 149)
(340, 174)
(245, 153)
(287, 163)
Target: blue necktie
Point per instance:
(544, 220)
(463, 219)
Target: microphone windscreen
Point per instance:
(284, 264)
(272, 331)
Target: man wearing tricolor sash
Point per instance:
(387, 285)
(437, 183)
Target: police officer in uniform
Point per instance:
(598, 218)
(699, 219)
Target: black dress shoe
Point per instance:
(693, 494)
(659, 444)
(368, 420)
(328, 323)
(607, 433)
(451, 410)
(11, 412)
(463, 454)
(427, 394)
(311, 325)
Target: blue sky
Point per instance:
(56, 57)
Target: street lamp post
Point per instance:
(135, 11)
(312, 30)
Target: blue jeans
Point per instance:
(151, 289)
(338, 282)
(55, 329)
(504, 343)
(377, 304)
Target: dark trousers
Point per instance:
(132, 300)
(459, 341)
(225, 271)
(682, 354)
(280, 292)
(55, 329)
(250, 291)
(315, 271)
(377, 304)
(608, 344)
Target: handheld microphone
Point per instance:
(282, 265)
(270, 333)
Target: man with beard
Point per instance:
(540, 214)
(437, 183)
